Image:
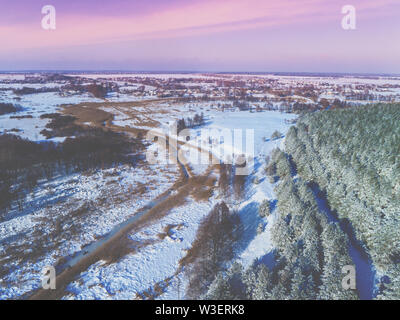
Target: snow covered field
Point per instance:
(158, 262)
(64, 215)
(34, 105)
(61, 217)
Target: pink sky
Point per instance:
(206, 35)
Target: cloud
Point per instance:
(191, 19)
(209, 35)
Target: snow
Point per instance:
(259, 245)
(264, 124)
(259, 125)
(158, 261)
(164, 76)
(58, 197)
(366, 274)
(12, 76)
(35, 105)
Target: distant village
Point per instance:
(229, 91)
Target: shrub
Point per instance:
(97, 90)
(276, 135)
(265, 209)
(8, 108)
(213, 246)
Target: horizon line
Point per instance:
(126, 71)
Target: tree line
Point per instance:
(24, 163)
(188, 123)
(309, 255)
(353, 155)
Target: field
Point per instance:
(118, 226)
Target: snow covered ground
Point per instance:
(62, 216)
(152, 264)
(255, 246)
(33, 106)
(158, 262)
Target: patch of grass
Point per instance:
(154, 292)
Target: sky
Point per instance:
(201, 35)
